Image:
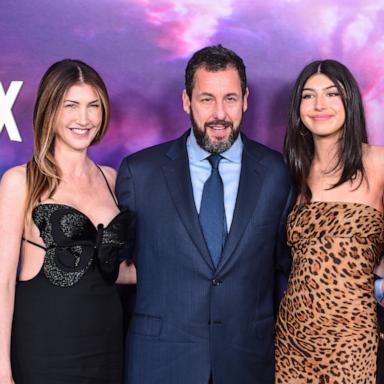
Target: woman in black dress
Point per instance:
(62, 321)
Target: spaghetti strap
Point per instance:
(109, 187)
(33, 243)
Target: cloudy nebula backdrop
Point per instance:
(140, 47)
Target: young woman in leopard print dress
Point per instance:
(326, 328)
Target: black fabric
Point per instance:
(67, 325)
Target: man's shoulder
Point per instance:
(156, 152)
(271, 161)
(149, 152)
(262, 153)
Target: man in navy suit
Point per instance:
(201, 315)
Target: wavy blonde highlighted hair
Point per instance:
(43, 174)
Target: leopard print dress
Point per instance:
(326, 329)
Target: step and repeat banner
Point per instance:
(141, 47)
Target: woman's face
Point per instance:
(79, 117)
(321, 108)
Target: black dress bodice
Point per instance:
(73, 244)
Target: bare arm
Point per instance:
(127, 273)
(12, 208)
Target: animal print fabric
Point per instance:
(326, 330)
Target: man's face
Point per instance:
(216, 108)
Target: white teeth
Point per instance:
(79, 131)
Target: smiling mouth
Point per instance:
(220, 125)
(217, 127)
(321, 117)
(80, 131)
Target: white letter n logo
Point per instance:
(6, 103)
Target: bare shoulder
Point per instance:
(14, 180)
(373, 150)
(109, 173)
(373, 156)
(13, 192)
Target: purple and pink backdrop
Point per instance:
(140, 47)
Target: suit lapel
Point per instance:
(251, 180)
(178, 178)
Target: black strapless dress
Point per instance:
(67, 325)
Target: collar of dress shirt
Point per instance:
(196, 153)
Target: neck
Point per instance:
(326, 153)
(72, 163)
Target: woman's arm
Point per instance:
(127, 273)
(12, 208)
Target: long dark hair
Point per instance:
(298, 144)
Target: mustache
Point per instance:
(224, 123)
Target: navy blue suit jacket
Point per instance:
(191, 319)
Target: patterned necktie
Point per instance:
(212, 211)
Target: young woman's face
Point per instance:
(79, 117)
(322, 110)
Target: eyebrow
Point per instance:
(312, 89)
(211, 95)
(76, 102)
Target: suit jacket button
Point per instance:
(216, 281)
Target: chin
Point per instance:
(78, 146)
(219, 138)
(219, 141)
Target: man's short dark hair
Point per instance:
(214, 58)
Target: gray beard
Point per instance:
(217, 146)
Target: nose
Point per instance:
(83, 116)
(319, 103)
(220, 112)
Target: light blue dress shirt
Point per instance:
(379, 292)
(229, 168)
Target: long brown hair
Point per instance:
(43, 174)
